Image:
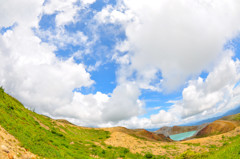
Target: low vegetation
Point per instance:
(229, 150)
(48, 138)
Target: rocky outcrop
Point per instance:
(10, 149)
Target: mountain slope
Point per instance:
(167, 131)
(49, 138)
(9, 147)
(217, 127)
(140, 133)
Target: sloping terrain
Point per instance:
(10, 147)
(48, 138)
(167, 131)
(175, 130)
(25, 134)
(235, 118)
(140, 133)
(217, 127)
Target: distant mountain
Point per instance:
(26, 134)
(209, 120)
(153, 129)
(167, 131)
(230, 112)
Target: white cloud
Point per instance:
(123, 104)
(31, 72)
(61, 38)
(88, 1)
(12, 11)
(66, 10)
(117, 14)
(101, 109)
(84, 109)
(167, 43)
(180, 38)
(203, 99)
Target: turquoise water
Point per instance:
(181, 136)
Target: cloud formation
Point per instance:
(167, 45)
(180, 38)
(31, 72)
(218, 93)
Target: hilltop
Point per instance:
(26, 134)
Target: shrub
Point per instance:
(125, 151)
(148, 155)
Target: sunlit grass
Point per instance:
(53, 140)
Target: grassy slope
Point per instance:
(229, 150)
(54, 140)
(231, 147)
(60, 140)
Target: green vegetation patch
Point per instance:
(53, 140)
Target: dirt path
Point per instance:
(10, 149)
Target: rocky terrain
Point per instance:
(27, 135)
(10, 149)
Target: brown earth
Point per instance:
(139, 133)
(217, 127)
(170, 149)
(10, 149)
(64, 121)
(136, 140)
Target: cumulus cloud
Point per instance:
(101, 109)
(15, 12)
(124, 103)
(31, 72)
(66, 10)
(201, 99)
(167, 43)
(179, 38)
(61, 38)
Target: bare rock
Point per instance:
(5, 149)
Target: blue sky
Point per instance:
(105, 75)
(128, 63)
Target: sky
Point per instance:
(132, 63)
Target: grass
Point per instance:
(192, 144)
(229, 150)
(169, 147)
(67, 141)
(54, 140)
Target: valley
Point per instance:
(26, 134)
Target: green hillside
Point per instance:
(49, 138)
